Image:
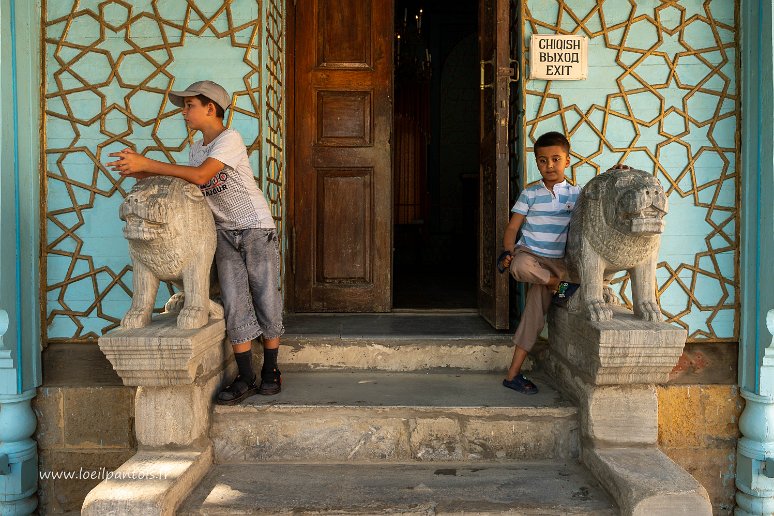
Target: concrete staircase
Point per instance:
(402, 414)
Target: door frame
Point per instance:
(290, 128)
(290, 168)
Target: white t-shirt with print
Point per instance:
(235, 199)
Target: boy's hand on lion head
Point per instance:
(129, 163)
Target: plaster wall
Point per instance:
(108, 67)
(661, 95)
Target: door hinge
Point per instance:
(511, 72)
(483, 83)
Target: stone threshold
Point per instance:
(529, 488)
(404, 341)
(396, 325)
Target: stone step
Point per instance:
(357, 416)
(544, 487)
(394, 342)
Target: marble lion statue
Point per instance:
(171, 235)
(616, 226)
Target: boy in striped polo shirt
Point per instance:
(542, 212)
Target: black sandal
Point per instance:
(271, 382)
(521, 384)
(237, 391)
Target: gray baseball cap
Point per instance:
(211, 90)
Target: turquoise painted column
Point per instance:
(755, 452)
(20, 140)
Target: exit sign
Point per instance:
(558, 58)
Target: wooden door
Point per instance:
(494, 53)
(342, 227)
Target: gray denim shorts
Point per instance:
(248, 271)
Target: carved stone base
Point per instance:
(610, 369)
(161, 354)
(610, 415)
(177, 373)
(625, 350)
(174, 416)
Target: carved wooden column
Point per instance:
(20, 342)
(755, 450)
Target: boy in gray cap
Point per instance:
(247, 254)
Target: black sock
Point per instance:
(269, 363)
(244, 362)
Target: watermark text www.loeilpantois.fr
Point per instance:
(99, 474)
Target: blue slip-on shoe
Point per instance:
(521, 384)
(563, 293)
(566, 289)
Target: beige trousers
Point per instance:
(528, 267)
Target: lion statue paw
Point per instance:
(176, 304)
(648, 311)
(192, 317)
(136, 318)
(598, 311)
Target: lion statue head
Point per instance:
(616, 226)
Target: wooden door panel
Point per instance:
(345, 258)
(343, 172)
(494, 52)
(344, 34)
(344, 118)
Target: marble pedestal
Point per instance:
(177, 373)
(624, 350)
(611, 369)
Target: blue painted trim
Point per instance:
(758, 199)
(16, 195)
(757, 189)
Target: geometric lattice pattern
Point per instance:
(661, 96)
(108, 68)
(274, 111)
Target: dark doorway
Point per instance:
(436, 154)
